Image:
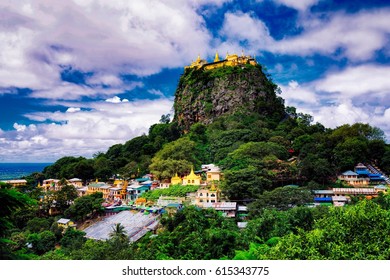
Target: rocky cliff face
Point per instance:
(204, 95)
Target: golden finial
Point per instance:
(216, 59)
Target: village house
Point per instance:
(99, 187)
(136, 189)
(165, 184)
(228, 209)
(341, 196)
(76, 182)
(51, 185)
(15, 183)
(353, 179)
(374, 175)
(82, 191)
(65, 223)
(207, 195)
(213, 172)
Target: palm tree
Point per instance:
(118, 232)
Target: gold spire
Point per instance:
(198, 59)
(216, 59)
(192, 175)
(124, 189)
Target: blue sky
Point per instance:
(79, 76)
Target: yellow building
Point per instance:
(51, 185)
(15, 183)
(192, 179)
(65, 223)
(176, 180)
(198, 63)
(99, 187)
(230, 60)
(213, 172)
(76, 182)
(211, 195)
(213, 175)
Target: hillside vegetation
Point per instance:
(232, 117)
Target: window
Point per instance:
(193, 181)
(209, 176)
(201, 200)
(189, 181)
(212, 195)
(200, 194)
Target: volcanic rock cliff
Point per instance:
(204, 95)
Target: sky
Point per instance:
(78, 76)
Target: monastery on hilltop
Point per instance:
(230, 60)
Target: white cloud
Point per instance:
(105, 79)
(295, 93)
(19, 127)
(73, 110)
(355, 94)
(104, 37)
(71, 91)
(244, 30)
(156, 92)
(298, 5)
(358, 36)
(116, 99)
(355, 36)
(81, 133)
(367, 81)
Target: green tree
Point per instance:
(245, 184)
(10, 201)
(65, 197)
(73, 239)
(85, 206)
(165, 118)
(177, 156)
(119, 232)
(37, 225)
(350, 152)
(281, 198)
(42, 242)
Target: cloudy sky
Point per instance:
(78, 76)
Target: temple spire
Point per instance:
(216, 59)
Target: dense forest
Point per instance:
(262, 152)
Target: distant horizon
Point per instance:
(18, 170)
(38, 162)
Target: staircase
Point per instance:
(375, 170)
